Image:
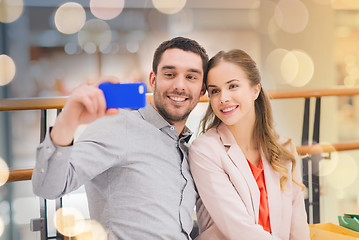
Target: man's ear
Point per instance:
(152, 80)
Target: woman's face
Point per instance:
(231, 94)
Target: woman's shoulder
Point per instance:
(206, 139)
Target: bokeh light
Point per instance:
(182, 23)
(96, 33)
(345, 172)
(4, 172)
(70, 18)
(327, 166)
(106, 9)
(69, 221)
(345, 4)
(70, 48)
(7, 69)
(273, 65)
(350, 81)
(273, 30)
(297, 68)
(10, 10)
(291, 15)
(92, 231)
(169, 6)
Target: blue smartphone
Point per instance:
(124, 95)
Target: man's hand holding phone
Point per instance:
(124, 95)
(90, 102)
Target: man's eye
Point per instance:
(169, 74)
(192, 77)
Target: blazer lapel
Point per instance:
(236, 155)
(274, 193)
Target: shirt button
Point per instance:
(172, 128)
(42, 170)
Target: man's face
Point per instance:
(178, 84)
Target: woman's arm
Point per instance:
(299, 226)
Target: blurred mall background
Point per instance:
(49, 47)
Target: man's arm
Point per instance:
(85, 105)
(53, 174)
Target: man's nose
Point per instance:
(180, 83)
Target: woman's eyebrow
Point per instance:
(232, 80)
(228, 82)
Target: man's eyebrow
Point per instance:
(167, 67)
(195, 71)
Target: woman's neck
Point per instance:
(243, 134)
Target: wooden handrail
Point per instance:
(313, 93)
(326, 148)
(12, 104)
(20, 175)
(25, 174)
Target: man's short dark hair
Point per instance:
(184, 44)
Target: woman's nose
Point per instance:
(224, 97)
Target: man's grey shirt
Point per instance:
(135, 171)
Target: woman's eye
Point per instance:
(233, 86)
(214, 91)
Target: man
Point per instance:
(133, 164)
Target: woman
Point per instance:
(246, 175)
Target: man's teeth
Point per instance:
(178, 99)
(228, 109)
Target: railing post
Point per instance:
(316, 158)
(306, 160)
(40, 224)
(311, 163)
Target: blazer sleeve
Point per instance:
(299, 226)
(219, 196)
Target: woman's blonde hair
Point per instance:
(263, 133)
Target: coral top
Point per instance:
(258, 174)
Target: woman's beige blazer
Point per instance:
(229, 197)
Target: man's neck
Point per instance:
(178, 124)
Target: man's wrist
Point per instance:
(62, 136)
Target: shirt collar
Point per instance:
(257, 171)
(152, 116)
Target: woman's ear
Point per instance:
(257, 90)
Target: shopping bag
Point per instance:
(330, 231)
(349, 221)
